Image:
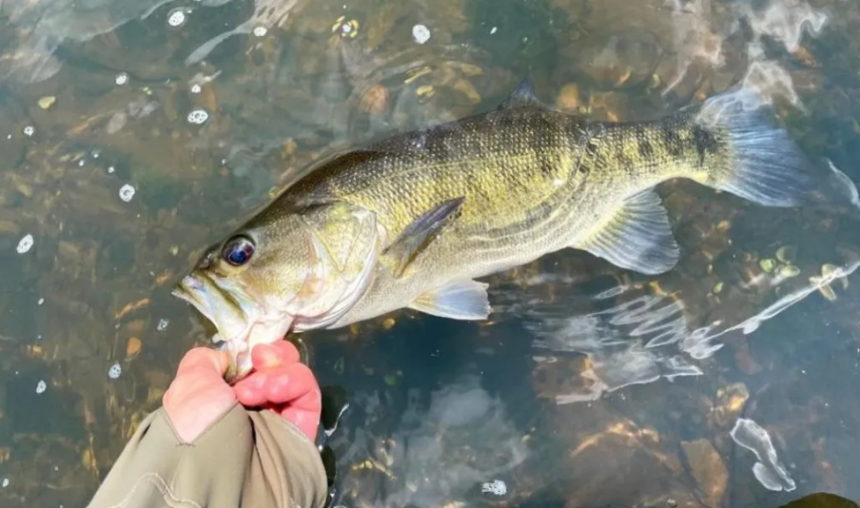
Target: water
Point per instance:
(134, 133)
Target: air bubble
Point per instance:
(260, 31)
(121, 79)
(420, 34)
(162, 325)
(41, 387)
(496, 487)
(198, 117)
(176, 17)
(493, 30)
(29, 130)
(195, 88)
(41, 301)
(5, 483)
(25, 244)
(126, 192)
(115, 370)
(111, 169)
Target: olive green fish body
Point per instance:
(517, 169)
(553, 183)
(412, 221)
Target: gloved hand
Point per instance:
(198, 396)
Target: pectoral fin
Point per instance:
(464, 300)
(637, 237)
(421, 233)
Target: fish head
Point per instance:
(283, 272)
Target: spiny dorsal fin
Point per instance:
(523, 96)
(421, 233)
(464, 300)
(637, 237)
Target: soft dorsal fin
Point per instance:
(421, 233)
(636, 237)
(523, 96)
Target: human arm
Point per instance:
(204, 449)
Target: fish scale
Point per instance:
(489, 159)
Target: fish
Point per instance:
(415, 220)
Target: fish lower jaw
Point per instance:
(241, 346)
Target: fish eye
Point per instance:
(238, 251)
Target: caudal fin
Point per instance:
(766, 166)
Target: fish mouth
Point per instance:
(241, 323)
(190, 289)
(218, 306)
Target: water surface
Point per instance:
(136, 132)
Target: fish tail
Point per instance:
(762, 163)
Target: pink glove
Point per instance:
(279, 382)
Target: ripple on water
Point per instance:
(768, 469)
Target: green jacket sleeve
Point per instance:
(245, 459)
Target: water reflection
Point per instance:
(43, 27)
(640, 333)
(590, 386)
(768, 470)
(620, 342)
(452, 448)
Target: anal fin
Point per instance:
(637, 237)
(464, 300)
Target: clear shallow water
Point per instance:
(590, 386)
